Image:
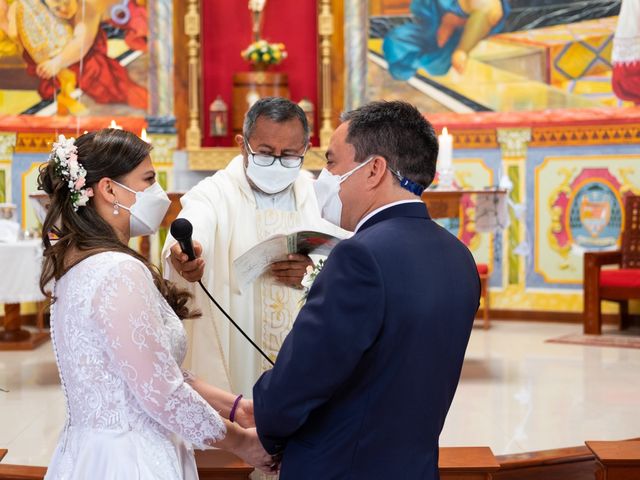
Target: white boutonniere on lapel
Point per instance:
(309, 278)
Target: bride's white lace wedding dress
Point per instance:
(118, 346)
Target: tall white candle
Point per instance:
(144, 137)
(445, 152)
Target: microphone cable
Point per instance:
(181, 230)
(234, 323)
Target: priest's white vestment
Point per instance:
(227, 221)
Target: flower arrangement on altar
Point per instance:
(263, 53)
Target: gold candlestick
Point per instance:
(257, 25)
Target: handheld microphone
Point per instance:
(181, 230)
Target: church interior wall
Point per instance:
(535, 260)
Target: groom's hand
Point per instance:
(290, 271)
(190, 270)
(254, 453)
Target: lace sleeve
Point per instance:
(127, 314)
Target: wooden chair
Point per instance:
(618, 285)
(483, 273)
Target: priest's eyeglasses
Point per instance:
(266, 160)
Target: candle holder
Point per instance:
(445, 178)
(218, 118)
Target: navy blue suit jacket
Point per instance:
(364, 380)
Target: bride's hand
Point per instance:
(244, 414)
(252, 452)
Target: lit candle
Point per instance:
(113, 124)
(445, 151)
(144, 136)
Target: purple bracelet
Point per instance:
(232, 415)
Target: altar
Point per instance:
(448, 203)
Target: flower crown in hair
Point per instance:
(65, 156)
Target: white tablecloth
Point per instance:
(20, 267)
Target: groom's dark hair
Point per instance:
(398, 132)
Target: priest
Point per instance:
(259, 194)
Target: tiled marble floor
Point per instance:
(516, 394)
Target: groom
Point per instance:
(363, 382)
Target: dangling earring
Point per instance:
(116, 208)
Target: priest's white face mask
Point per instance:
(148, 210)
(272, 173)
(327, 188)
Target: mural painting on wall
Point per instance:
(466, 56)
(73, 57)
(584, 211)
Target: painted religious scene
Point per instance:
(502, 56)
(365, 239)
(73, 58)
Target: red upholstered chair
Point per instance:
(483, 272)
(618, 285)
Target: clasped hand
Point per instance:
(253, 452)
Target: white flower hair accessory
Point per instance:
(65, 156)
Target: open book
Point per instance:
(255, 261)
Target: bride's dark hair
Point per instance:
(107, 153)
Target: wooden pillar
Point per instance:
(14, 337)
(12, 324)
(591, 310)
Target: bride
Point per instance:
(115, 325)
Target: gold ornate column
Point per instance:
(192, 29)
(162, 157)
(325, 30)
(513, 143)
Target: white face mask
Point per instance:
(148, 210)
(272, 179)
(327, 188)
